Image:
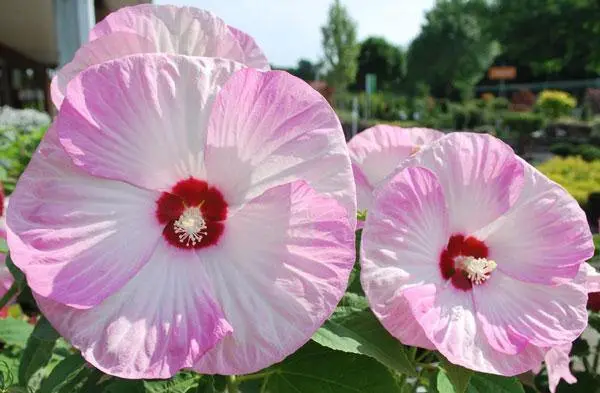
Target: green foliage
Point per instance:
(452, 378)
(38, 351)
(315, 368)
(499, 104)
(378, 56)
(16, 147)
(487, 383)
(564, 149)
(360, 332)
(555, 103)
(523, 123)
(469, 116)
(541, 33)
(453, 49)
(14, 332)
(340, 46)
(579, 177)
(587, 152)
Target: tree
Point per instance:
(553, 37)
(377, 56)
(340, 46)
(307, 70)
(453, 50)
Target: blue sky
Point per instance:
(290, 29)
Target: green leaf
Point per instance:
(315, 368)
(117, 385)
(453, 378)
(487, 383)
(38, 351)
(15, 332)
(66, 374)
(180, 383)
(361, 333)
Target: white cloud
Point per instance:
(291, 29)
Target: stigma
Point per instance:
(477, 270)
(190, 227)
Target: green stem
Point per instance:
(12, 292)
(413, 352)
(250, 377)
(596, 357)
(232, 384)
(422, 356)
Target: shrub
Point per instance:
(580, 178)
(522, 101)
(500, 104)
(523, 123)
(589, 152)
(16, 148)
(564, 149)
(555, 103)
(468, 116)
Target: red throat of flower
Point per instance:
(465, 262)
(193, 214)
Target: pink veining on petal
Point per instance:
(162, 320)
(286, 285)
(151, 28)
(274, 129)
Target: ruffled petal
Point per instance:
(182, 30)
(273, 128)
(448, 318)
(253, 55)
(142, 118)
(163, 320)
(378, 150)
(405, 232)
(278, 272)
(544, 237)
(557, 362)
(514, 313)
(591, 280)
(78, 238)
(480, 175)
(96, 52)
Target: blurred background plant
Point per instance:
(20, 133)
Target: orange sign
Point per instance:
(504, 72)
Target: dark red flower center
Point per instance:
(464, 262)
(193, 214)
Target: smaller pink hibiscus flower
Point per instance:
(149, 28)
(377, 151)
(471, 251)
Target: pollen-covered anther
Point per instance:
(190, 226)
(477, 269)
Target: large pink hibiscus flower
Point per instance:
(151, 28)
(183, 212)
(377, 151)
(473, 252)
